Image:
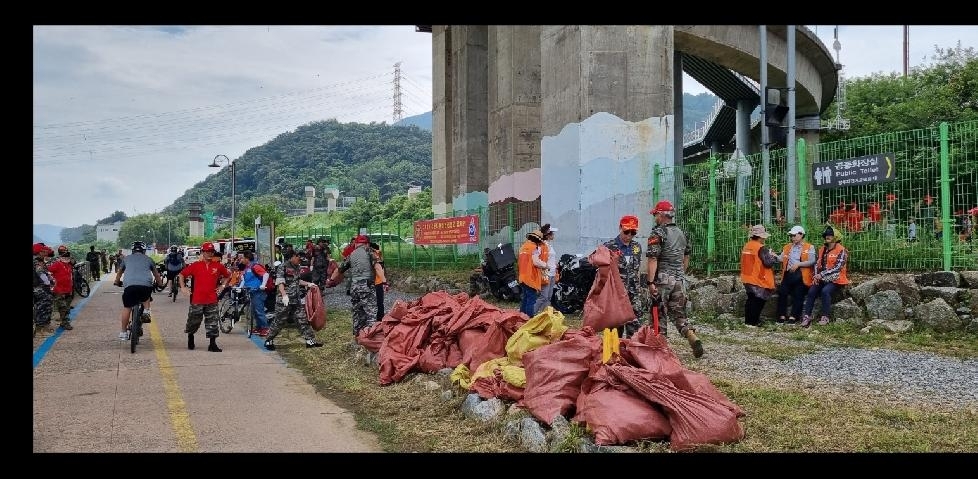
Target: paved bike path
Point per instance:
(92, 395)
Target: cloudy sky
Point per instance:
(128, 118)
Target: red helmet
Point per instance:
(663, 206)
(207, 246)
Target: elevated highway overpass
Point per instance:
(568, 122)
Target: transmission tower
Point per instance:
(398, 111)
(839, 122)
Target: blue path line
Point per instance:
(49, 342)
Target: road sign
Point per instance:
(862, 170)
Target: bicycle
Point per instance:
(161, 268)
(135, 326)
(237, 303)
(80, 285)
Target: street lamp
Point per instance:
(230, 163)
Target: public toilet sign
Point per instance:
(862, 170)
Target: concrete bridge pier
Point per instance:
(608, 96)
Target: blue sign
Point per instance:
(862, 170)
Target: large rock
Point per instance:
(969, 279)
(904, 284)
(886, 305)
(949, 294)
(863, 290)
(946, 279)
(705, 299)
(726, 284)
(848, 312)
(899, 326)
(938, 315)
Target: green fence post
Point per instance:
(711, 218)
(656, 171)
(802, 164)
(945, 198)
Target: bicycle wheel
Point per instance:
(162, 285)
(82, 288)
(174, 288)
(135, 327)
(225, 317)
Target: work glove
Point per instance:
(285, 300)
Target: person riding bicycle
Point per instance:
(174, 264)
(140, 276)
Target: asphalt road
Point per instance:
(91, 395)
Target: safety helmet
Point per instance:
(138, 246)
(173, 249)
(207, 246)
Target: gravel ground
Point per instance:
(872, 374)
(882, 375)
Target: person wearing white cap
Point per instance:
(547, 290)
(757, 274)
(797, 260)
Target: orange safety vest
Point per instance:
(830, 259)
(806, 271)
(529, 274)
(752, 270)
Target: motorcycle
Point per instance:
(575, 276)
(499, 273)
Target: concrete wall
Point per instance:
(469, 45)
(607, 120)
(514, 127)
(442, 170)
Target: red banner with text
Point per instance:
(456, 230)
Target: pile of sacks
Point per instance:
(623, 391)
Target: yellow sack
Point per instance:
(461, 377)
(609, 344)
(511, 371)
(544, 328)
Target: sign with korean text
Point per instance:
(862, 170)
(455, 230)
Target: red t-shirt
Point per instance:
(61, 271)
(205, 274)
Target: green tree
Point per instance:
(264, 206)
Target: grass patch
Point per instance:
(782, 415)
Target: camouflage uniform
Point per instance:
(359, 267)
(629, 268)
(206, 313)
(289, 274)
(667, 243)
(43, 299)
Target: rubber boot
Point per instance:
(213, 346)
(190, 341)
(694, 343)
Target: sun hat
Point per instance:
(759, 231)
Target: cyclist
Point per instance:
(140, 278)
(174, 264)
(207, 275)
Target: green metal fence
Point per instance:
(936, 186)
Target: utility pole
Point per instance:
(906, 49)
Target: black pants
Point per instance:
(792, 285)
(380, 301)
(753, 307)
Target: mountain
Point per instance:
(696, 108)
(47, 234)
(422, 121)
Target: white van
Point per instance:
(191, 254)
